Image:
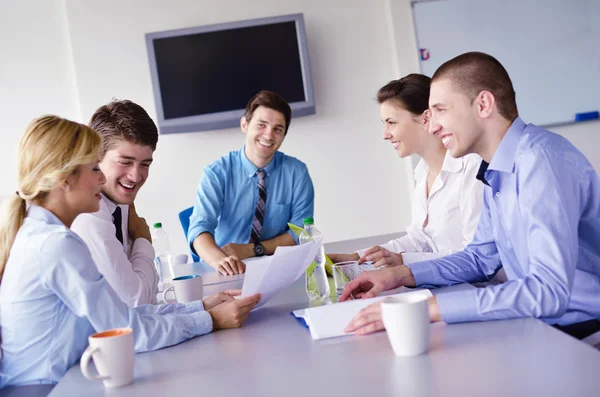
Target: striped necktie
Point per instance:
(259, 213)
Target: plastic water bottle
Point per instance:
(163, 257)
(317, 286)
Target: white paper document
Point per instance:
(329, 321)
(269, 274)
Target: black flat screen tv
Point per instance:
(203, 77)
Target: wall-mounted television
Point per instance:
(203, 77)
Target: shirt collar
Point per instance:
(450, 164)
(504, 158)
(251, 168)
(111, 207)
(42, 214)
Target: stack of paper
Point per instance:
(329, 321)
(269, 274)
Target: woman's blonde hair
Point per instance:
(51, 150)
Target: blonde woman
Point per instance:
(52, 296)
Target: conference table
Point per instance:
(274, 355)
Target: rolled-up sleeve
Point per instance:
(207, 208)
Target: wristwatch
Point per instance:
(259, 250)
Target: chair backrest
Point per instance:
(184, 218)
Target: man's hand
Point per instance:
(382, 257)
(138, 227)
(370, 319)
(217, 299)
(233, 314)
(337, 258)
(240, 251)
(370, 284)
(231, 265)
(367, 320)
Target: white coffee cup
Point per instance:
(113, 353)
(186, 288)
(180, 259)
(406, 321)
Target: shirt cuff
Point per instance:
(459, 307)
(425, 273)
(361, 253)
(144, 247)
(203, 321)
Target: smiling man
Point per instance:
(246, 198)
(117, 237)
(540, 216)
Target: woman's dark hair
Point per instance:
(410, 92)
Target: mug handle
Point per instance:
(85, 363)
(164, 293)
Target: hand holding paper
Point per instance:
(329, 321)
(268, 275)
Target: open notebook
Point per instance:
(329, 321)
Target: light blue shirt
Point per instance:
(52, 298)
(228, 192)
(541, 221)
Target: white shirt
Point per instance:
(451, 210)
(128, 267)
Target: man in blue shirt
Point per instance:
(540, 216)
(246, 198)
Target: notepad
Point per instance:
(329, 321)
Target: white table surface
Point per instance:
(273, 355)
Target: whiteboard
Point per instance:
(551, 48)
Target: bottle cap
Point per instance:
(158, 225)
(308, 221)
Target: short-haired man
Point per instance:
(246, 199)
(540, 216)
(117, 237)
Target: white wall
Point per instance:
(36, 74)
(70, 58)
(586, 137)
(360, 184)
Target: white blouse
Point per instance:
(451, 210)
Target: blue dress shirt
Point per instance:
(541, 221)
(228, 192)
(52, 298)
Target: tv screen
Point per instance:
(203, 77)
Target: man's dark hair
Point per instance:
(474, 72)
(271, 100)
(124, 120)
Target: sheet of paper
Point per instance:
(255, 272)
(278, 271)
(329, 321)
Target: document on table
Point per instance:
(269, 274)
(329, 321)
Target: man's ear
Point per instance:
(486, 102)
(244, 124)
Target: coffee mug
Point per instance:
(186, 289)
(406, 321)
(112, 352)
